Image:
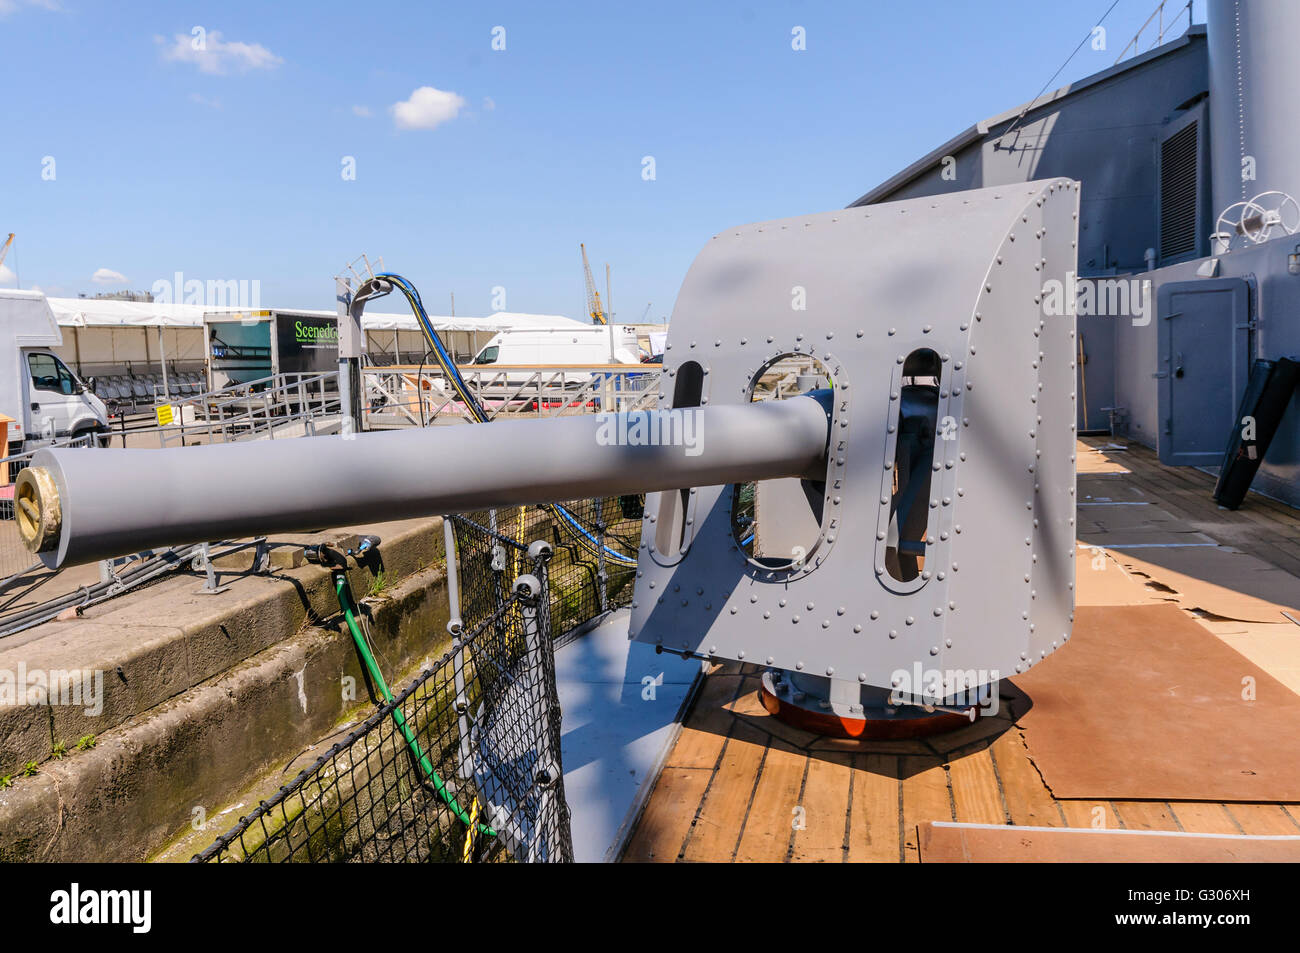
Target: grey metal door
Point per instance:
(1204, 336)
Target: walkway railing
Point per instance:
(269, 408)
(410, 395)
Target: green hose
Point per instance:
(344, 593)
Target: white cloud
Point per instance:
(211, 53)
(204, 101)
(427, 108)
(107, 276)
(362, 111)
(7, 276)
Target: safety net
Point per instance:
(462, 765)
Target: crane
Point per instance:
(4, 249)
(593, 296)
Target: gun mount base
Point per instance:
(815, 704)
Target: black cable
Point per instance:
(1030, 105)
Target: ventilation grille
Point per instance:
(1178, 193)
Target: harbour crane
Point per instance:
(594, 307)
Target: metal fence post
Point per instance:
(453, 577)
(602, 577)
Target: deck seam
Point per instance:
(1287, 811)
(803, 787)
(749, 806)
(848, 813)
(997, 777)
(902, 822)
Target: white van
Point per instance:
(46, 400)
(552, 347)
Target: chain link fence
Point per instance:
(594, 541)
(463, 764)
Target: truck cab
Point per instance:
(59, 403)
(42, 395)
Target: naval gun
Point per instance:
(888, 545)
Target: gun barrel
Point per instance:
(78, 505)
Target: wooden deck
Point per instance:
(741, 786)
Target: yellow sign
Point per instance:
(166, 414)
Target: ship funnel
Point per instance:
(1255, 137)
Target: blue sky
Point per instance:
(227, 163)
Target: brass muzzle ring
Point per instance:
(36, 509)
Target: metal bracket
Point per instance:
(203, 562)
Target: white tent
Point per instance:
(110, 334)
(112, 313)
(397, 338)
(497, 321)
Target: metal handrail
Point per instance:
(1160, 29)
(532, 390)
(254, 409)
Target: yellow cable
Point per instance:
(519, 541)
(469, 832)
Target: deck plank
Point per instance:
(1263, 819)
(706, 728)
(925, 798)
(1146, 815)
(975, 794)
(874, 818)
(769, 825)
(722, 812)
(1199, 817)
(668, 815)
(826, 810)
(1028, 801)
(1095, 815)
